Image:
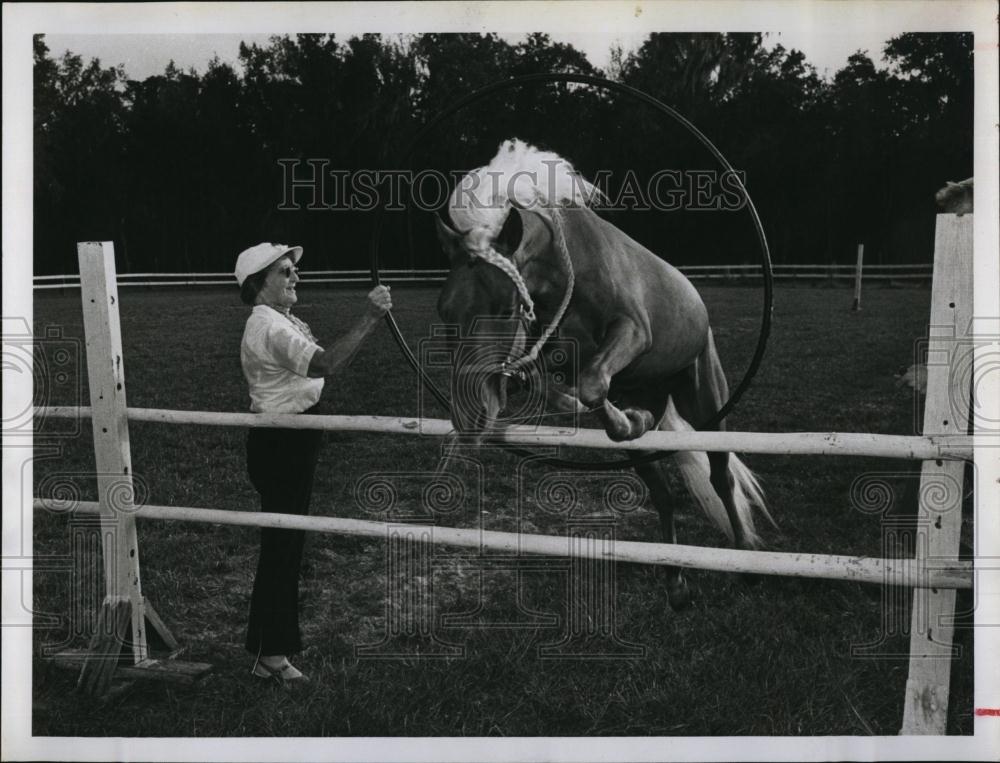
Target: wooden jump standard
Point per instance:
(935, 570)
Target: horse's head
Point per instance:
(483, 301)
(495, 233)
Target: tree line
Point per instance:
(184, 169)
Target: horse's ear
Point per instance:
(444, 229)
(451, 239)
(511, 234)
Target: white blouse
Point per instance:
(275, 355)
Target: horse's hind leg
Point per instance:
(652, 474)
(722, 481)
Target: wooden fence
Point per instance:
(935, 569)
(837, 274)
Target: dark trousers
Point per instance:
(281, 464)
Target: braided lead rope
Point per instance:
(550, 329)
(493, 257)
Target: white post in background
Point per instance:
(939, 513)
(106, 374)
(857, 278)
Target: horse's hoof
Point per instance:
(619, 434)
(628, 424)
(641, 422)
(679, 597)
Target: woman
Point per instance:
(284, 368)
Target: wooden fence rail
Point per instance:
(944, 447)
(855, 569)
(813, 272)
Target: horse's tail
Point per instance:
(748, 497)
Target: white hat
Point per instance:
(256, 258)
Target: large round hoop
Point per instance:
(765, 256)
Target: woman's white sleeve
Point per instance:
(290, 349)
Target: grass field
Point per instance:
(772, 658)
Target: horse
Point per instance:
(525, 246)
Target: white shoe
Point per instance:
(283, 671)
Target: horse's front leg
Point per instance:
(624, 341)
(563, 400)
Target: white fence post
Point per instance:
(857, 277)
(106, 374)
(939, 516)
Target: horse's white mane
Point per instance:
(518, 174)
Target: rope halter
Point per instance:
(494, 257)
(511, 366)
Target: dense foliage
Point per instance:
(182, 170)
